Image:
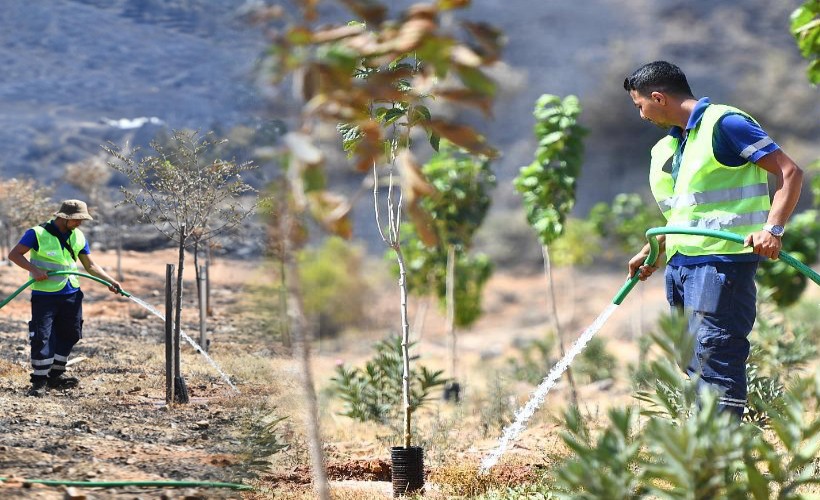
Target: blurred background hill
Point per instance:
(79, 73)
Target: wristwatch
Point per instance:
(775, 229)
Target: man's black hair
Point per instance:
(658, 76)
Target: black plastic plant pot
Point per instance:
(452, 392)
(181, 391)
(407, 470)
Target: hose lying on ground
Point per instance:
(120, 484)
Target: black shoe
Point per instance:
(38, 388)
(62, 382)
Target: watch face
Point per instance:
(776, 230)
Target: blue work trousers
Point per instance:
(56, 326)
(719, 299)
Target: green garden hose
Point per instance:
(120, 484)
(58, 273)
(652, 237)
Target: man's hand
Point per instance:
(115, 287)
(764, 243)
(636, 265)
(38, 274)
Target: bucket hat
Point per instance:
(73, 209)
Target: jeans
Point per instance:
(56, 326)
(719, 299)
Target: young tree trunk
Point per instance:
(548, 272)
(197, 274)
(178, 305)
(302, 348)
(295, 314)
(119, 257)
(405, 343)
(451, 307)
(208, 309)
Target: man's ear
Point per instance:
(658, 97)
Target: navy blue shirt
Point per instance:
(736, 141)
(29, 239)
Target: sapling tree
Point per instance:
(547, 185)
(374, 77)
(463, 183)
(183, 196)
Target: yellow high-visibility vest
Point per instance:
(51, 256)
(707, 194)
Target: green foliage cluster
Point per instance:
(427, 273)
(780, 349)
(365, 76)
(625, 221)
(496, 410)
(535, 359)
(333, 288)
(802, 241)
(805, 27)
(547, 185)
(374, 393)
(580, 244)
(685, 447)
(262, 437)
(463, 183)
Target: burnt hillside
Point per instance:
(78, 73)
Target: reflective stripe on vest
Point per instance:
(708, 194)
(51, 256)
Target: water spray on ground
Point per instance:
(512, 431)
(188, 339)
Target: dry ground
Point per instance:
(116, 426)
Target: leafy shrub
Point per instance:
(802, 241)
(333, 289)
(496, 409)
(262, 438)
(780, 349)
(578, 245)
(534, 360)
(687, 448)
(624, 223)
(427, 273)
(374, 393)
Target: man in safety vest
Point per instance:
(711, 172)
(56, 301)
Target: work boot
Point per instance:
(38, 388)
(62, 382)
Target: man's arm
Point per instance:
(789, 182)
(94, 270)
(18, 256)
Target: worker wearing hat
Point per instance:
(56, 301)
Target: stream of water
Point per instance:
(188, 339)
(512, 431)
